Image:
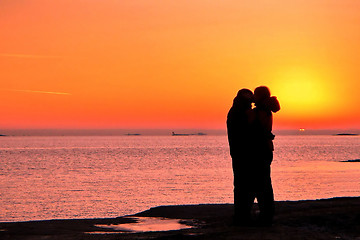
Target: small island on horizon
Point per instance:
(346, 134)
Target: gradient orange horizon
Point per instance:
(176, 64)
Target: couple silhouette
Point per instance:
(251, 148)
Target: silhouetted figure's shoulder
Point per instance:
(238, 124)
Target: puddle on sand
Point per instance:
(147, 224)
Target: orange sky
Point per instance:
(176, 64)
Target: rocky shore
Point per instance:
(336, 218)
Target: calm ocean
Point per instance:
(66, 177)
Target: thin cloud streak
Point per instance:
(36, 91)
(26, 56)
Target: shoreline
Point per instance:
(334, 218)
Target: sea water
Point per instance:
(67, 177)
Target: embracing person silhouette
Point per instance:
(251, 148)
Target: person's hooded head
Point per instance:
(261, 94)
(263, 99)
(243, 99)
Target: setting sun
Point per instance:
(303, 92)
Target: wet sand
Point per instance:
(336, 218)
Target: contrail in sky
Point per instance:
(26, 56)
(35, 91)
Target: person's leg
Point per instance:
(266, 205)
(243, 202)
(243, 198)
(265, 198)
(244, 194)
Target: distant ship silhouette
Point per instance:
(188, 134)
(132, 134)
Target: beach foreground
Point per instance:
(336, 218)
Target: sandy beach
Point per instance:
(336, 218)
